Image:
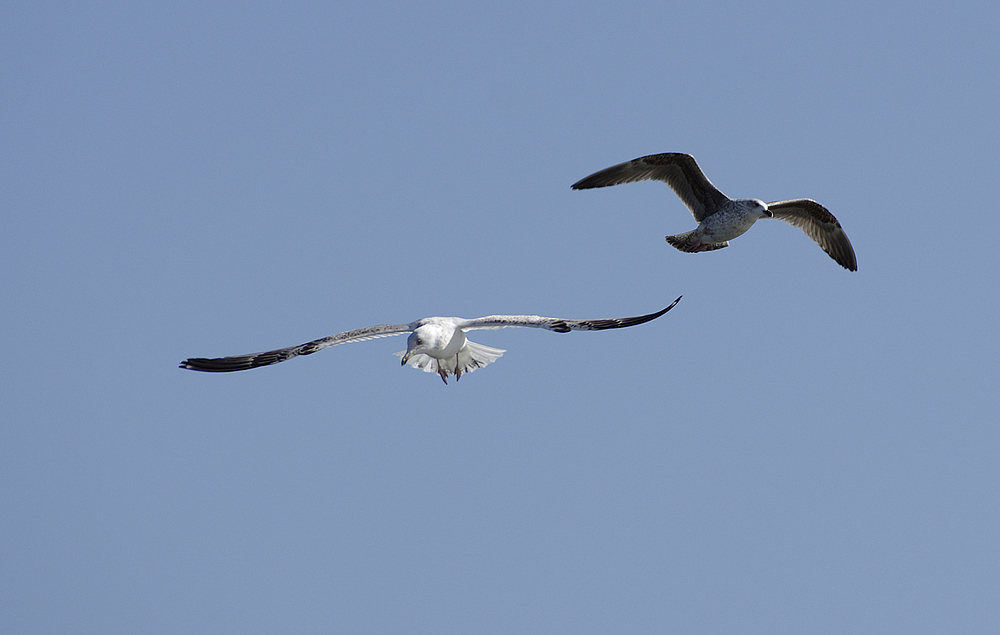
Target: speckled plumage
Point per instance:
(720, 218)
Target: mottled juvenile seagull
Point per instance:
(436, 344)
(720, 218)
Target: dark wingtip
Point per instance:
(845, 258)
(672, 305)
(589, 182)
(642, 319)
(216, 365)
(195, 363)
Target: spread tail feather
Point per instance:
(471, 357)
(691, 242)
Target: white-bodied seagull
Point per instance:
(435, 345)
(720, 218)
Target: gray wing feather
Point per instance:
(559, 325)
(253, 360)
(679, 171)
(819, 224)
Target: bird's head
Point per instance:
(435, 340)
(762, 209)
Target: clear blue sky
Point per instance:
(793, 449)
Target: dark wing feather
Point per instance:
(679, 171)
(819, 224)
(253, 360)
(560, 325)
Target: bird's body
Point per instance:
(720, 218)
(717, 230)
(435, 344)
(440, 345)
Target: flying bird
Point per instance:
(435, 345)
(720, 218)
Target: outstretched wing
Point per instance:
(679, 171)
(559, 325)
(819, 224)
(253, 360)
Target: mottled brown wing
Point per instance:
(679, 171)
(819, 224)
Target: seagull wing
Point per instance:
(679, 171)
(559, 325)
(819, 224)
(253, 360)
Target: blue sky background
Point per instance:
(794, 448)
